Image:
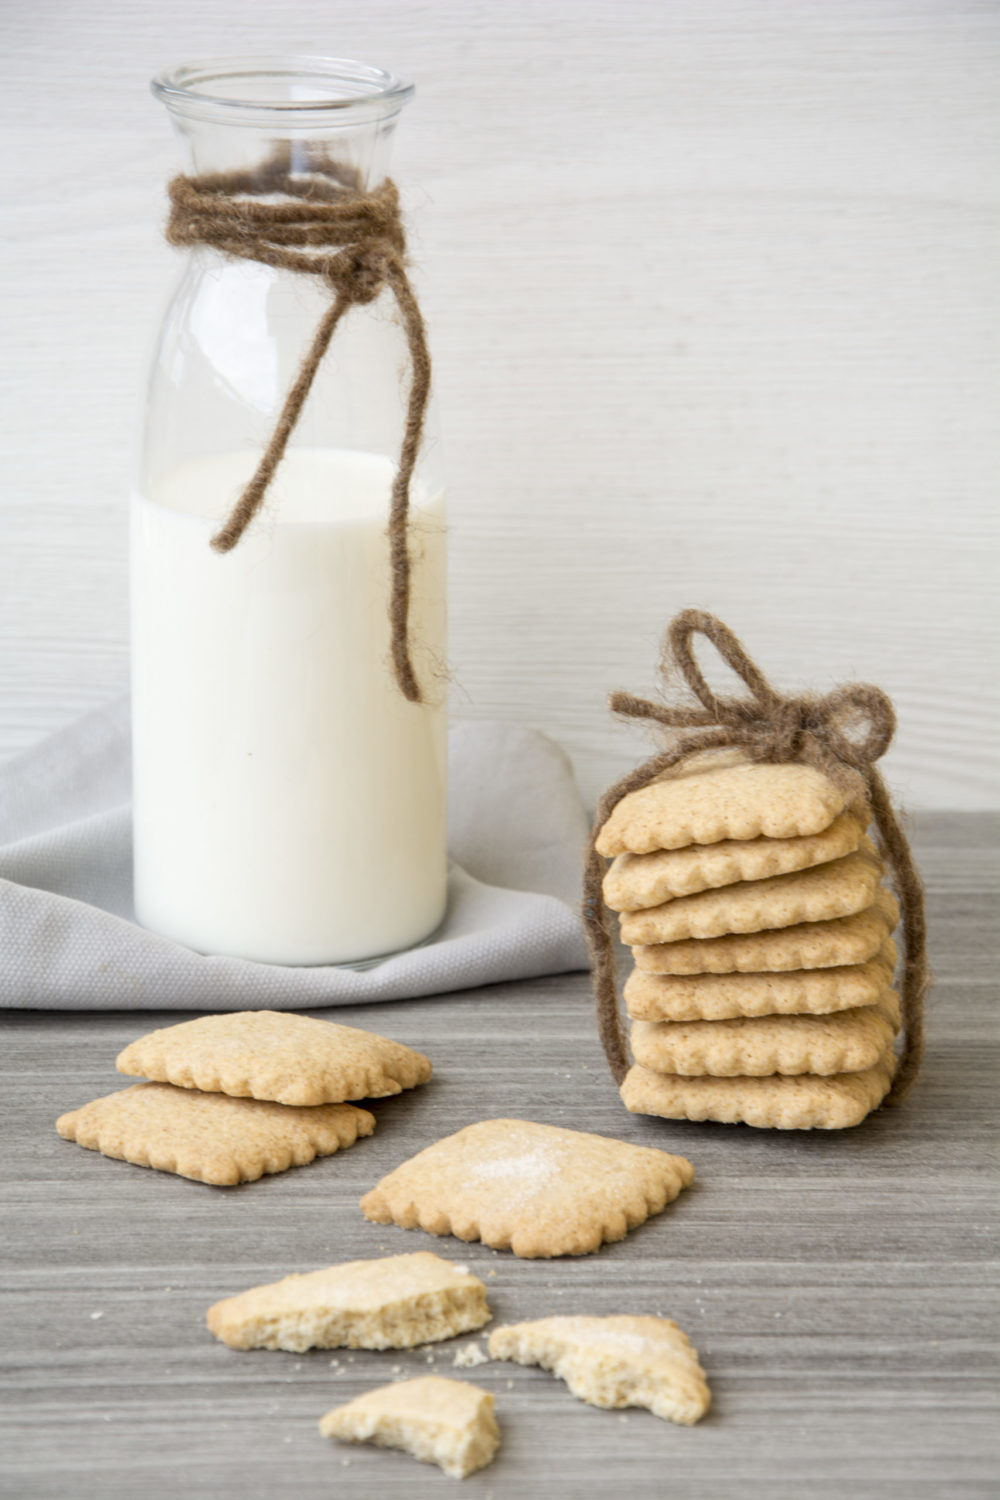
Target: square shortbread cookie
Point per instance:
(696, 805)
(837, 889)
(637, 881)
(267, 1054)
(538, 1190)
(807, 945)
(445, 1422)
(392, 1303)
(717, 997)
(848, 1041)
(614, 1362)
(803, 1102)
(211, 1137)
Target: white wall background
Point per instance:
(712, 286)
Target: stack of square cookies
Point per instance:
(753, 903)
(232, 1097)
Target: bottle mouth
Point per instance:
(296, 89)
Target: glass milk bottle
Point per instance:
(289, 800)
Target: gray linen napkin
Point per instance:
(68, 935)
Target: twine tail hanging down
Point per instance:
(843, 733)
(319, 223)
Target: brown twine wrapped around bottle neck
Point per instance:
(842, 733)
(322, 224)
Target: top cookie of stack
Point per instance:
(752, 900)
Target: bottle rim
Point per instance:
(293, 87)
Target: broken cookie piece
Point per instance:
(614, 1362)
(393, 1303)
(445, 1422)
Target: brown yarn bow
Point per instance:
(323, 225)
(842, 733)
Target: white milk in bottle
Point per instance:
(289, 802)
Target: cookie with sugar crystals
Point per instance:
(268, 1054)
(717, 997)
(450, 1423)
(801, 1102)
(837, 889)
(538, 1190)
(705, 805)
(637, 881)
(614, 1362)
(392, 1303)
(211, 1137)
(807, 945)
(848, 1041)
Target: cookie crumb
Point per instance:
(469, 1356)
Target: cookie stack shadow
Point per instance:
(761, 933)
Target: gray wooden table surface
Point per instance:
(840, 1288)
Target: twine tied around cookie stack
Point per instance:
(842, 734)
(322, 224)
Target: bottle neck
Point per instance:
(359, 153)
(235, 115)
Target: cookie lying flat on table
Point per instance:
(445, 1422)
(211, 1137)
(696, 805)
(803, 1102)
(267, 1054)
(614, 1362)
(837, 889)
(637, 881)
(808, 945)
(717, 997)
(848, 1041)
(538, 1190)
(392, 1303)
